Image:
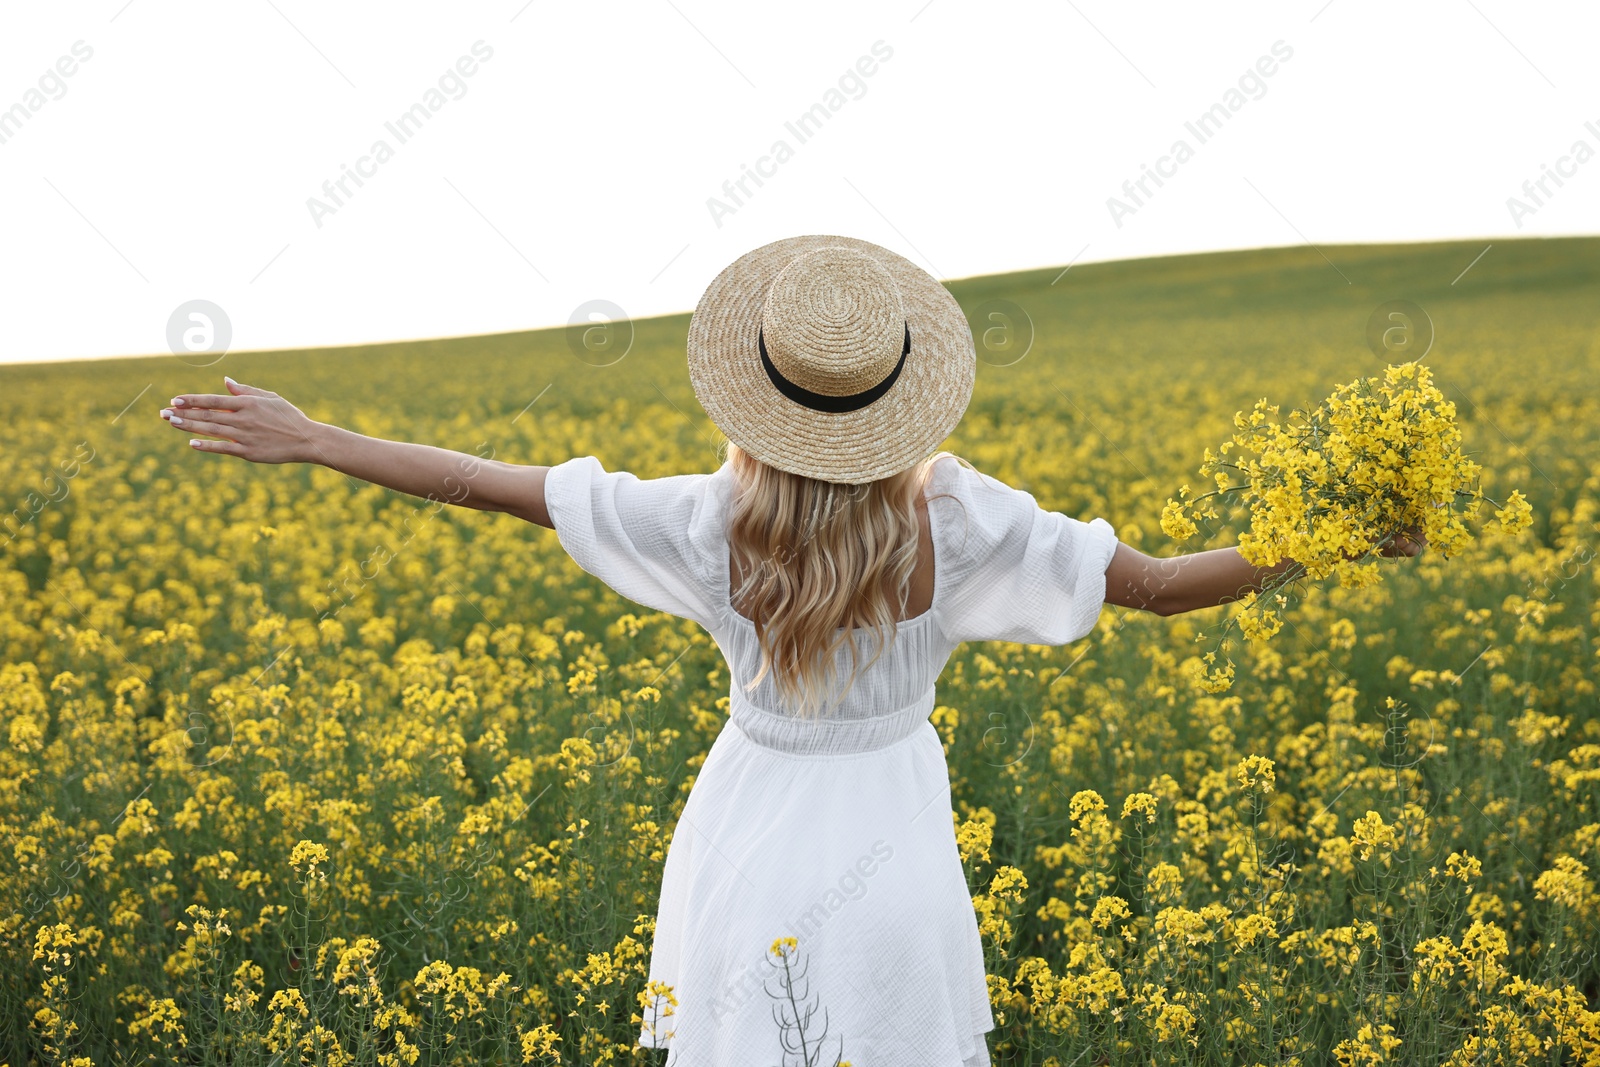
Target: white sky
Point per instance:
(178, 161)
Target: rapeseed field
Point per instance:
(298, 770)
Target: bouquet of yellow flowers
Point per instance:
(1334, 487)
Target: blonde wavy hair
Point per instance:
(820, 559)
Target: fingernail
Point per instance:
(166, 413)
(176, 401)
(229, 380)
(176, 421)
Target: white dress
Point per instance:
(837, 832)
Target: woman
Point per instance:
(838, 565)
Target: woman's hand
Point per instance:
(258, 424)
(1407, 543)
(263, 427)
(1172, 585)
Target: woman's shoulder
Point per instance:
(1009, 569)
(589, 471)
(674, 507)
(654, 540)
(956, 486)
(984, 519)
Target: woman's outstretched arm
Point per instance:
(263, 427)
(1176, 584)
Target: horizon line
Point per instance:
(1074, 264)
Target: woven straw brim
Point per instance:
(895, 432)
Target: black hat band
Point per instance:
(833, 405)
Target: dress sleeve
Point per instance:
(646, 539)
(1006, 569)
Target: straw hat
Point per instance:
(831, 357)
